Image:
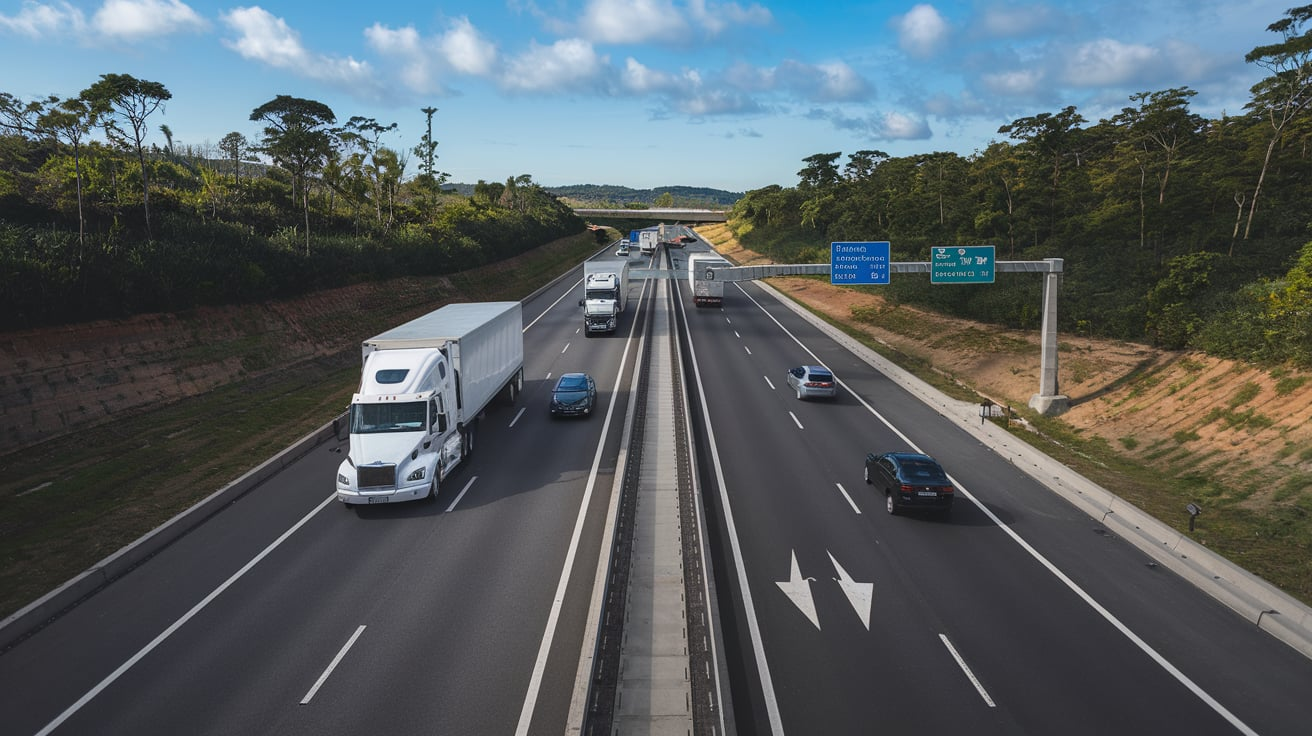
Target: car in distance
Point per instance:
(910, 480)
(813, 382)
(573, 395)
(624, 248)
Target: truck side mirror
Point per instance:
(439, 417)
(581, 302)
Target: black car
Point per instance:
(573, 395)
(910, 480)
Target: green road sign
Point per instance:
(961, 264)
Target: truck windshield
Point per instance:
(374, 418)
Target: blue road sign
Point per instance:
(961, 264)
(859, 263)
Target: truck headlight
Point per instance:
(416, 475)
(342, 480)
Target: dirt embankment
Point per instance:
(62, 379)
(1248, 426)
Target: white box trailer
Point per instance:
(423, 386)
(706, 291)
(647, 240)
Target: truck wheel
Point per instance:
(469, 440)
(432, 491)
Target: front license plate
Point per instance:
(378, 499)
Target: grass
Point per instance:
(70, 502)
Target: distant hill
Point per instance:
(582, 195)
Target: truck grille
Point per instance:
(375, 476)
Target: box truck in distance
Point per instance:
(706, 292)
(423, 387)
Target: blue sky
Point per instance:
(644, 93)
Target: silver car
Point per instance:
(813, 382)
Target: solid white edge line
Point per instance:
(553, 618)
(461, 494)
(332, 665)
(979, 687)
(109, 680)
(1134, 638)
(850, 502)
(749, 607)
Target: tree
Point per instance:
(20, 118)
(70, 121)
(1283, 96)
(1156, 133)
(862, 164)
(1049, 138)
(122, 97)
(364, 134)
(429, 177)
(233, 146)
(297, 137)
(820, 170)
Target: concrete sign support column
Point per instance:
(1047, 401)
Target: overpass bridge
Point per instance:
(663, 214)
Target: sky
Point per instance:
(644, 93)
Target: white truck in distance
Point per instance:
(706, 292)
(605, 294)
(424, 385)
(647, 240)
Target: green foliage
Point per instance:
(218, 239)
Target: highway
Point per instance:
(286, 613)
(1017, 614)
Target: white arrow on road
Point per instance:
(858, 594)
(798, 590)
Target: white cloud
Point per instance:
(416, 70)
(567, 64)
(632, 21)
(889, 126)
(831, 82)
(1107, 62)
(1015, 83)
(641, 79)
(922, 31)
(466, 50)
(715, 102)
(133, 20)
(269, 40)
(715, 18)
(1018, 21)
(36, 20)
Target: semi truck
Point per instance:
(706, 291)
(647, 240)
(605, 295)
(424, 385)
